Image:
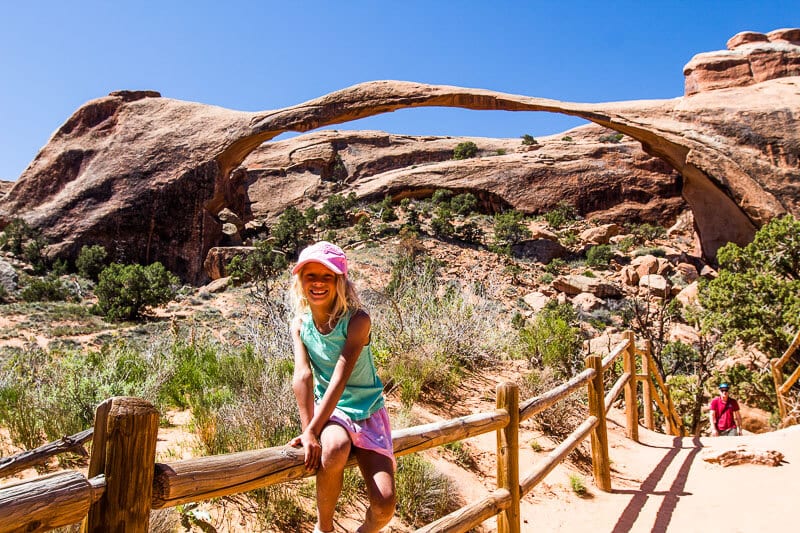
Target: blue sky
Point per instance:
(257, 55)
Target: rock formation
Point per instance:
(147, 176)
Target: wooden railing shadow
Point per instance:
(124, 483)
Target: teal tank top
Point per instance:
(363, 394)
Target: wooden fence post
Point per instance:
(631, 403)
(601, 465)
(508, 521)
(647, 399)
(123, 450)
(777, 377)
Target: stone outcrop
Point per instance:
(148, 176)
(751, 58)
(744, 454)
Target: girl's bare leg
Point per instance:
(378, 473)
(335, 450)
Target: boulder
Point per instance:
(688, 295)
(573, 285)
(226, 216)
(743, 454)
(540, 250)
(8, 277)
(600, 234)
(218, 258)
(587, 302)
(655, 285)
(536, 301)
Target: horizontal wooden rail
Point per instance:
(21, 461)
(616, 352)
(616, 390)
(791, 381)
(46, 503)
(557, 455)
(543, 401)
(221, 475)
(470, 516)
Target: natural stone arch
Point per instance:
(152, 173)
(715, 186)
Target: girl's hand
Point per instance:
(311, 448)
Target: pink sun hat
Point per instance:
(325, 253)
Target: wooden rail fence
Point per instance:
(124, 482)
(782, 387)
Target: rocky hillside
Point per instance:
(148, 176)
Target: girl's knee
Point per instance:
(335, 452)
(383, 504)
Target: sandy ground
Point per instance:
(662, 484)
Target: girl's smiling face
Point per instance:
(319, 285)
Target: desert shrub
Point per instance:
(646, 232)
(464, 204)
(599, 256)
(292, 232)
(561, 418)
(509, 228)
(560, 215)
(423, 494)
(756, 297)
(578, 485)
(566, 138)
(363, 228)
(442, 223)
(500, 151)
(553, 340)
(47, 289)
(441, 196)
(528, 140)
(16, 234)
(261, 267)
(470, 232)
(465, 150)
(611, 138)
(335, 212)
(428, 333)
(626, 243)
(654, 251)
(45, 395)
(387, 211)
(91, 261)
(125, 291)
(555, 266)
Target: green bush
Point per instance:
(465, 150)
(599, 256)
(125, 291)
(423, 494)
(441, 196)
(470, 232)
(387, 211)
(16, 234)
(91, 261)
(292, 232)
(429, 334)
(566, 138)
(442, 223)
(611, 138)
(335, 212)
(464, 204)
(528, 140)
(48, 289)
(554, 339)
(560, 215)
(756, 297)
(509, 228)
(646, 232)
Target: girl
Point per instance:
(339, 394)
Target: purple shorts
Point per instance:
(373, 433)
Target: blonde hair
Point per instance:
(346, 298)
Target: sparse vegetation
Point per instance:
(423, 494)
(465, 150)
(125, 291)
(611, 138)
(529, 140)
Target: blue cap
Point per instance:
(723, 386)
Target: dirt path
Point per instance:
(663, 485)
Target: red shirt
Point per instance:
(723, 416)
